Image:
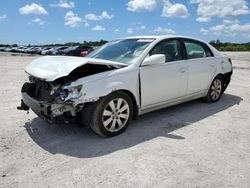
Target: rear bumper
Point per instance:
(226, 79)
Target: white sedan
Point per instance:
(123, 79)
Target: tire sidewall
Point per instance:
(101, 107)
(210, 90)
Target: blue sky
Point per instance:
(60, 21)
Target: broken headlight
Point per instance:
(69, 93)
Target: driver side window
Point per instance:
(171, 49)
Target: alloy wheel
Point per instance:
(115, 115)
(216, 89)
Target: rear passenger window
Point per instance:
(197, 50)
(171, 49)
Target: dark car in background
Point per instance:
(86, 52)
(76, 50)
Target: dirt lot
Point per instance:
(189, 145)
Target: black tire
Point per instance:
(215, 88)
(93, 114)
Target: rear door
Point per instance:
(201, 65)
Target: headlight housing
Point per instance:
(69, 93)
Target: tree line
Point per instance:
(227, 46)
(221, 46)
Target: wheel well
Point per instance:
(221, 76)
(132, 97)
(225, 80)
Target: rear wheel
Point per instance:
(215, 91)
(110, 115)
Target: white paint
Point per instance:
(162, 84)
(50, 68)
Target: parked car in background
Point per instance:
(58, 50)
(53, 51)
(14, 49)
(86, 52)
(34, 50)
(8, 49)
(44, 51)
(23, 49)
(123, 79)
(75, 50)
(19, 49)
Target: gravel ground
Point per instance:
(190, 145)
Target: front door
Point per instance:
(163, 82)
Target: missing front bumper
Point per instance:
(52, 113)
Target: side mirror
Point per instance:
(154, 60)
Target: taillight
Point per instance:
(230, 61)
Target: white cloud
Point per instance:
(140, 27)
(230, 28)
(33, 9)
(174, 10)
(86, 24)
(64, 4)
(73, 20)
(117, 30)
(130, 30)
(38, 21)
(208, 9)
(164, 30)
(204, 31)
(143, 27)
(93, 17)
(231, 22)
(141, 5)
(3, 17)
(98, 28)
(203, 19)
(246, 36)
(105, 15)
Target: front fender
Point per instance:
(114, 86)
(94, 90)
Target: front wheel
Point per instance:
(215, 90)
(110, 115)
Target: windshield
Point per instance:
(123, 51)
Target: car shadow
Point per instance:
(82, 143)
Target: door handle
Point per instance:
(182, 70)
(212, 65)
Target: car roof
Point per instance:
(161, 37)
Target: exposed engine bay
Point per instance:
(85, 70)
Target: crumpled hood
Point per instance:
(49, 68)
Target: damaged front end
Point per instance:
(51, 101)
(50, 92)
